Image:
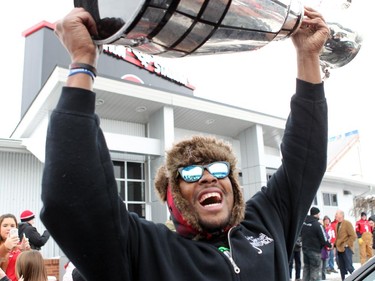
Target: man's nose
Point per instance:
(207, 177)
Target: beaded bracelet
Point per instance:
(76, 65)
(82, 70)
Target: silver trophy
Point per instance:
(178, 28)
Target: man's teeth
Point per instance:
(209, 195)
(211, 198)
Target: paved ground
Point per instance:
(336, 276)
(333, 276)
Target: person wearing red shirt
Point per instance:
(10, 245)
(364, 234)
(330, 229)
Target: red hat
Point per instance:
(27, 216)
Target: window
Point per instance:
(130, 177)
(370, 277)
(315, 201)
(330, 199)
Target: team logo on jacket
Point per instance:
(258, 242)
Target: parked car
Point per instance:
(365, 273)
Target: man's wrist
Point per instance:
(80, 80)
(309, 68)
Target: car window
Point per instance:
(371, 277)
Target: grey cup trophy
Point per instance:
(178, 28)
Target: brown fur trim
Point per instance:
(161, 183)
(198, 150)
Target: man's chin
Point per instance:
(213, 226)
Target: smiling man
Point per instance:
(204, 195)
(218, 237)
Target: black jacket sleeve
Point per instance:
(291, 190)
(79, 191)
(35, 239)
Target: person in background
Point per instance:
(169, 223)
(296, 259)
(334, 225)
(72, 273)
(218, 236)
(313, 240)
(325, 255)
(364, 234)
(77, 276)
(372, 223)
(69, 267)
(30, 266)
(10, 245)
(26, 227)
(3, 276)
(345, 237)
(330, 229)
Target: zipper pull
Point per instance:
(227, 253)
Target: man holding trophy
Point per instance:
(218, 236)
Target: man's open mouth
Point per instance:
(210, 199)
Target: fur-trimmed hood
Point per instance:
(197, 150)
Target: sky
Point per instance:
(261, 80)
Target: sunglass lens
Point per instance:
(219, 170)
(191, 173)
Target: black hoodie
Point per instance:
(89, 221)
(314, 236)
(36, 240)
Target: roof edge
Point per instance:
(37, 27)
(12, 145)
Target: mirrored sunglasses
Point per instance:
(193, 173)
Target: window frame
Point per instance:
(123, 180)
